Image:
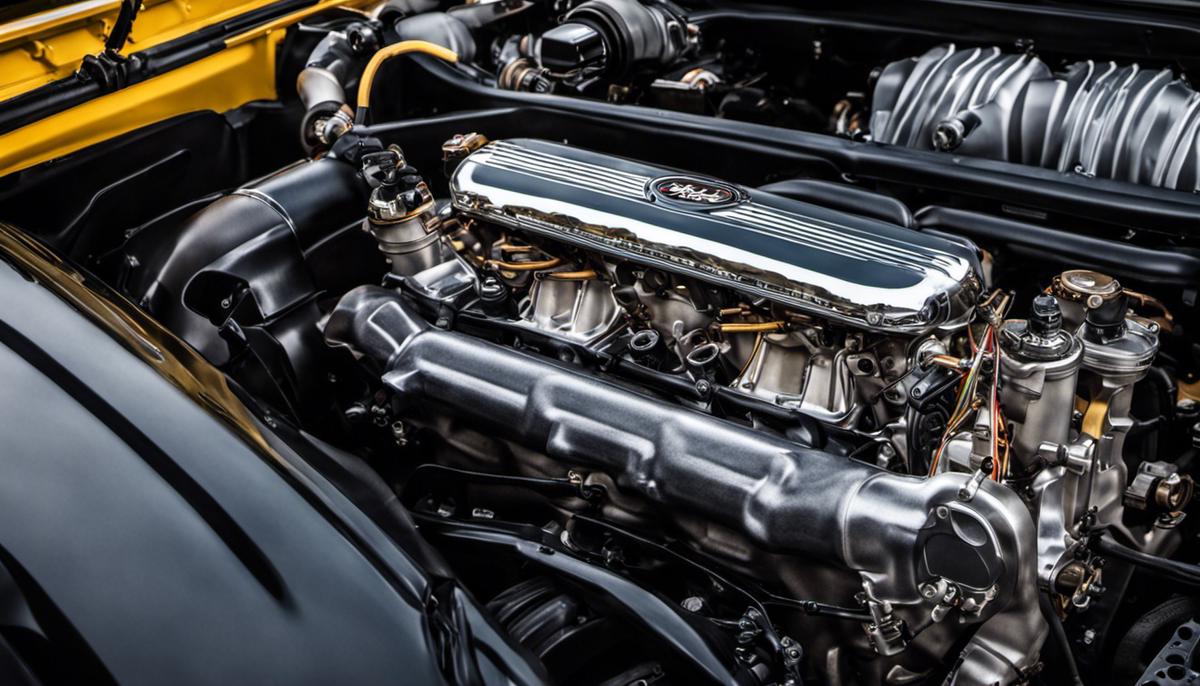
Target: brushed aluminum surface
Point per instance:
(1093, 118)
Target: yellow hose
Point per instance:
(385, 54)
(523, 266)
(582, 275)
(751, 327)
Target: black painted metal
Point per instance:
(251, 243)
(175, 552)
(744, 152)
(1180, 267)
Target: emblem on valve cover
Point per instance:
(690, 191)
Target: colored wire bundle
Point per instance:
(969, 401)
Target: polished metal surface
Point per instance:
(845, 268)
(1040, 380)
(896, 533)
(582, 312)
(914, 96)
(786, 370)
(1130, 354)
(1093, 118)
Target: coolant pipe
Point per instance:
(895, 531)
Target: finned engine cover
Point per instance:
(843, 267)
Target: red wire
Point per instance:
(994, 411)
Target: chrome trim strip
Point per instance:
(842, 267)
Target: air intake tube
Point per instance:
(333, 66)
(897, 532)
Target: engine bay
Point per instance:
(567, 285)
(718, 342)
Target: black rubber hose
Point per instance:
(1180, 572)
(1128, 659)
(123, 25)
(1060, 636)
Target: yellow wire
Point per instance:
(964, 403)
(401, 48)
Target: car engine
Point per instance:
(864, 361)
(909, 425)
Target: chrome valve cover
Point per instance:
(854, 270)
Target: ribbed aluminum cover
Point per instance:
(843, 267)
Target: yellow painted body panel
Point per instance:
(47, 46)
(243, 72)
(221, 82)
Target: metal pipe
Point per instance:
(784, 497)
(751, 327)
(522, 266)
(581, 275)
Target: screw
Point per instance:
(400, 433)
